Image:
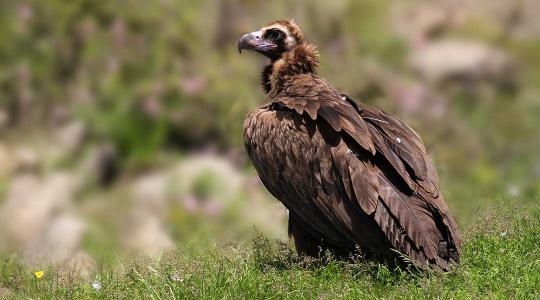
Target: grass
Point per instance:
(501, 260)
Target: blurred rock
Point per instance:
(71, 136)
(148, 236)
(79, 263)
(4, 119)
(149, 192)
(21, 221)
(496, 9)
(221, 178)
(209, 184)
(25, 13)
(516, 18)
(5, 293)
(145, 232)
(30, 206)
(59, 245)
(26, 159)
(527, 25)
(107, 164)
(60, 240)
(7, 164)
(420, 22)
(463, 60)
(101, 166)
(25, 93)
(59, 115)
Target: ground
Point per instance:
(501, 260)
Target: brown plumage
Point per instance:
(351, 176)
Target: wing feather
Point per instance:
(402, 147)
(328, 160)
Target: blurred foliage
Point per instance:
(164, 76)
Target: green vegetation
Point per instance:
(151, 78)
(153, 84)
(501, 260)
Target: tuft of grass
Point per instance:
(501, 259)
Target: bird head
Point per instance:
(283, 43)
(273, 40)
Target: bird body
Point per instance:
(353, 178)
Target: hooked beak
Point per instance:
(254, 41)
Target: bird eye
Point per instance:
(275, 34)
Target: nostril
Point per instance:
(257, 37)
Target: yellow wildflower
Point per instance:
(39, 274)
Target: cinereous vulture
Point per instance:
(353, 177)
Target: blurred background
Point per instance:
(121, 121)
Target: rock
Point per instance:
(457, 59)
(221, 178)
(528, 23)
(5, 293)
(22, 216)
(33, 220)
(107, 164)
(60, 114)
(60, 240)
(80, 264)
(517, 18)
(145, 232)
(149, 192)
(30, 205)
(4, 119)
(208, 184)
(26, 159)
(418, 23)
(101, 165)
(7, 164)
(71, 136)
(147, 236)
(204, 186)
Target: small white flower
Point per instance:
(96, 285)
(176, 277)
(504, 234)
(153, 270)
(513, 191)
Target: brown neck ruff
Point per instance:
(303, 59)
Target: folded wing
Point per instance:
(352, 175)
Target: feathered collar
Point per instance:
(303, 59)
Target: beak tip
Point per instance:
(245, 42)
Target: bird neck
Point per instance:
(303, 59)
(265, 77)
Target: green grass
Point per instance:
(501, 260)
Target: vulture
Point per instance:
(353, 178)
